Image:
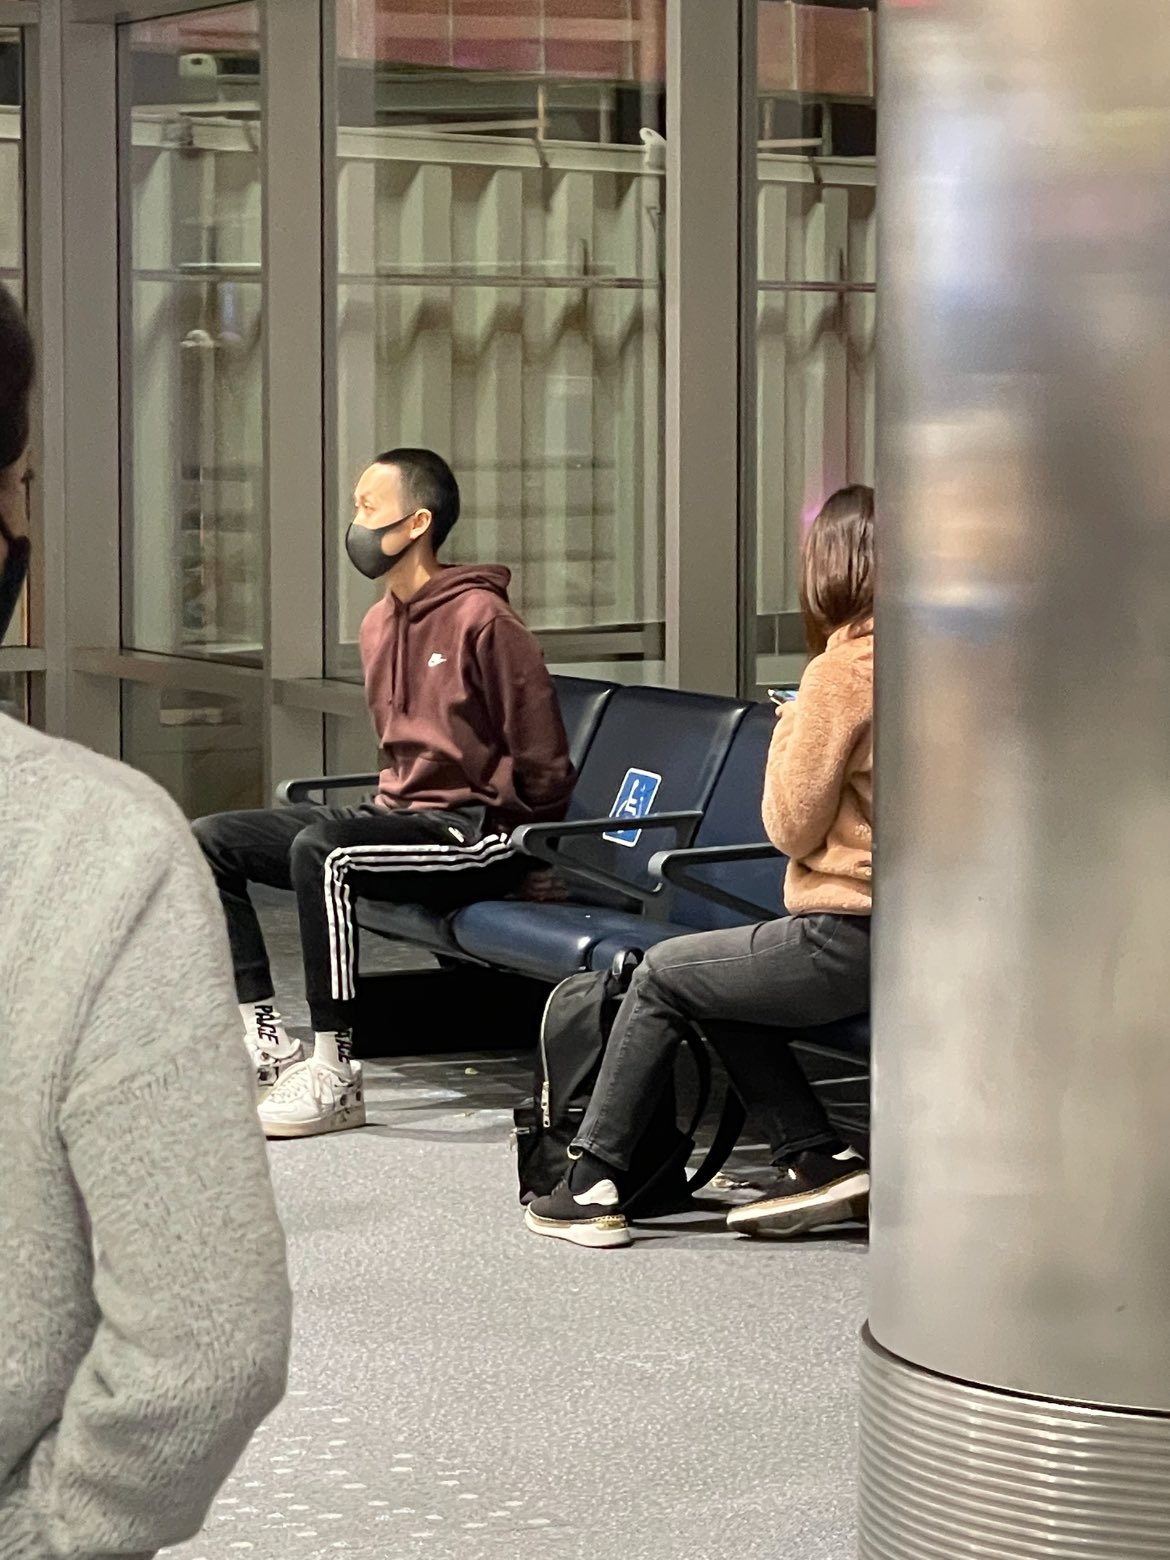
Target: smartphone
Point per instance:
(782, 695)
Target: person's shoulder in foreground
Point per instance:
(144, 1288)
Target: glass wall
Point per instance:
(489, 278)
(500, 227)
(192, 355)
(192, 396)
(203, 748)
(815, 179)
(14, 693)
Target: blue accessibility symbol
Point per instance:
(634, 800)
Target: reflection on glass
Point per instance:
(500, 210)
(14, 695)
(350, 749)
(192, 579)
(816, 183)
(203, 748)
(12, 213)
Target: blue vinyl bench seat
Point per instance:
(668, 886)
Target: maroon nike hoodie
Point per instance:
(462, 702)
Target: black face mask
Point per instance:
(14, 574)
(364, 547)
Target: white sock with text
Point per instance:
(264, 1028)
(332, 1047)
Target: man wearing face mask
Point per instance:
(472, 745)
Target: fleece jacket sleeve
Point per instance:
(191, 1345)
(523, 702)
(815, 737)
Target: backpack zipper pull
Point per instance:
(545, 1105)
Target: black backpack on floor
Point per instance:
(574, 1031)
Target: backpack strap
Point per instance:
(730, 1121)
(726, 1134)
(726, 1137)
(702, 1058)
(686, 1143)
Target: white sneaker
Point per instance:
(270, 1068)
(311, 1098)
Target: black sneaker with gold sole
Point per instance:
(813, 1190)
(591, 1218)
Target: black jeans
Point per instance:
(743, 988)
(330, 856)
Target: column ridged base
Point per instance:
(951, 1470)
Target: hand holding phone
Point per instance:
(780, 696)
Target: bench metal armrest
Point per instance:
(676, 867)
(541, 840)
(290, 792)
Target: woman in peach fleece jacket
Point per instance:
(746, 986)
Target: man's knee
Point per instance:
(652, 974)
(660, 978)
(310, 850)
(214, 836)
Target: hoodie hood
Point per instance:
(451, 581)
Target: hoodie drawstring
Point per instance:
(400, 698)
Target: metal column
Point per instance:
(294, 399)
(702, 316)
(1016, 1380)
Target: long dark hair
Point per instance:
(836, 586)
(17, 365)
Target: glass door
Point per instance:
(192, 351)
(192, 374)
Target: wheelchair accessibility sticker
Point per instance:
(634, 800)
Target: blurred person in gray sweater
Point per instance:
(143, 1286)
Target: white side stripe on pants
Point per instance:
(341, 863)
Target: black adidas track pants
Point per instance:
(332, 855)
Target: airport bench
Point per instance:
(663, 837)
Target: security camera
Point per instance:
(653, 148)
(198, 67)
(199, 78)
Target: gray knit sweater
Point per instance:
(144, 1303)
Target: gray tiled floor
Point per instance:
(463, 1389)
